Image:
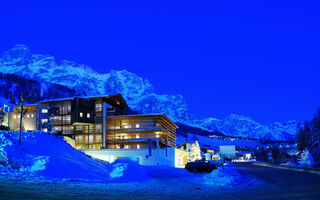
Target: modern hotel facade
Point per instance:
(99, 122)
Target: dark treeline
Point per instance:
(309, 137)
(272, 154)
(12, 86)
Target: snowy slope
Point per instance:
(43, 155)
(138, 92)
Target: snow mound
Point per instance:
(127, 169)
(219, 178)
(45, 155)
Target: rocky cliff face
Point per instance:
(241, 126)
(138, 92)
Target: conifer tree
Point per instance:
(195, 151)
(306, 159)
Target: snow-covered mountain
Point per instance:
(138, 92)
(241, 126)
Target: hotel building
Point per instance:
(100, 123)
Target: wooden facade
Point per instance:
(100, 122)
(139, 131)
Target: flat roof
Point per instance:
(118, 96)
(60, 99)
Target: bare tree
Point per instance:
(22, 111)
(1, 117)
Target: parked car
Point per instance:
(200, 166)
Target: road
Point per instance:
(280, 183)
(269, 183)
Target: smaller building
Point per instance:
(183, 154)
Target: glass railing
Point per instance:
(135, 129)
(134, 137)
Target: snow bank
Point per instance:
(48, 156)
(219, 178)
(127, 169)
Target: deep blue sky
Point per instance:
(256, 58)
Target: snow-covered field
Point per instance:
(46, 167)
(43, 157)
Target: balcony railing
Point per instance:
(137, 129)
(133, 138)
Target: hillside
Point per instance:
(44, 156)
(138, 92)
(12, 85)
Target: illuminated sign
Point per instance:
(7, 108)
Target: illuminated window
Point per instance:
(98, 107)
(79, 128)
(124, 137)
(90, 139)
(98, 138)
(137, 126)
(88, 115)
(44, 120)
(137, 136)
(66, 119)
(81, 114)
(138, 146)
(66, 129)
(45, 129)
(44, 110)
(79, 138)
(58, 128)
(98, 128)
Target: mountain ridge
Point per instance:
(138, 92)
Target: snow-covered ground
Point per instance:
(43, 157)
(46, 167)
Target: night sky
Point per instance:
(255, 58)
